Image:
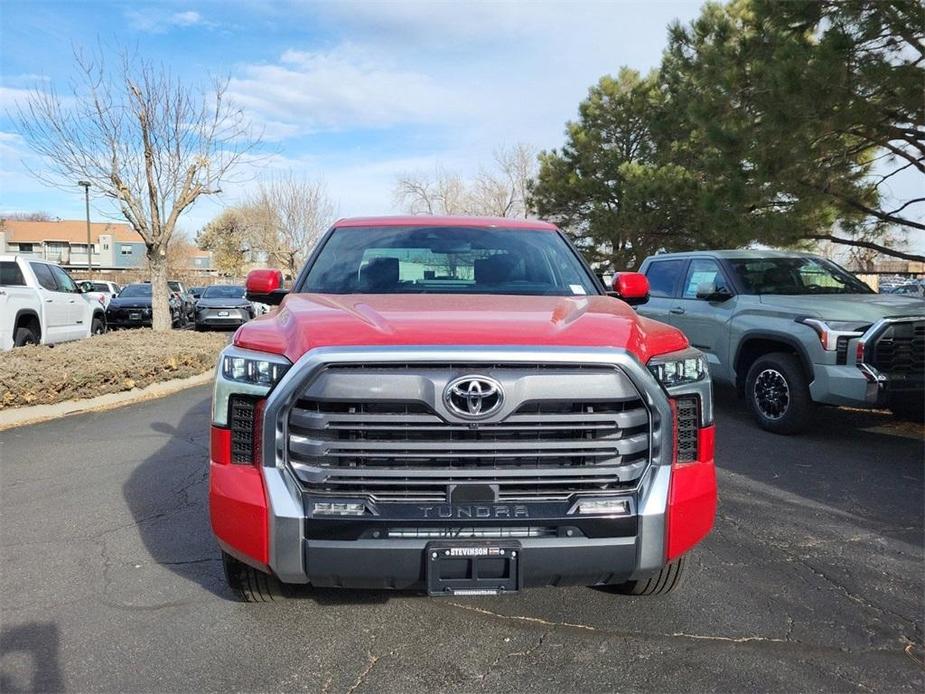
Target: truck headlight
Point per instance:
(245, 372)
(685, 377)
(830, 331)
(679, 368)
(258, 372)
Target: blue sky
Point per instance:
(352, 92)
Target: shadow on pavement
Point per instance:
(864, 463)
(168, 498)
(39, 642)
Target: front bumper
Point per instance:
(586, 550)
(212, 318)
(862, 382)
(275, 530)
(128, 323)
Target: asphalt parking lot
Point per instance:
(812, 579)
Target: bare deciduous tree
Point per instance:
(26, 217)
(145, 140)
(499, 191)
(287, 216)
(441, 193)
(502, 192)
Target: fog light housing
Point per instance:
(603, 507)
(338, 508)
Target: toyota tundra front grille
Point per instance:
(381, 432)
(899, 350)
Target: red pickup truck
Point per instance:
(457, 405)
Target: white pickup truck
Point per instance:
(41, 304)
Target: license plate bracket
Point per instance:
(473, 568)
(134, 315)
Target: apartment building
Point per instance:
(114, 246)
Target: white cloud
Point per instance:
(155, 21)
(186, 19)
(339, 89)
(12, 97)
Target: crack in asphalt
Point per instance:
(371, 663)
(794, 558)
(755, 639)
(525, 653)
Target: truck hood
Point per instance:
(867, 308)
(306, 321)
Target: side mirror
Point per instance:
(84, 286)
(632, 287)
(708, 291)
(265, 286)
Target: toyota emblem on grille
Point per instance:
(473, 397)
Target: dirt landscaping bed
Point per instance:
(110, 363)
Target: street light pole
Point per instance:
(86, 187)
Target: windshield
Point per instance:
(443, 260)
(223, 291)
(100, 287)
(135, 290)
(795, 276)
(174, 286)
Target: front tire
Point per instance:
(778, 394)
(661, 583)
(249, 584)
(25, 336)
(97, 327)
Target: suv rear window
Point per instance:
(11, 275)
(663, 276)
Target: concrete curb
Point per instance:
(42, 413)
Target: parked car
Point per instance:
(223, 306)
(132, 308)
(101, 290)
(887, 284)
(187, 300)
(790, 330)
(913, 288)
(456, 405)
(41, 304)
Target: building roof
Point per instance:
(435, 221)
(70, 230)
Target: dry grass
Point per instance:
(108, 363)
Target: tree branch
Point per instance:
(867, 244)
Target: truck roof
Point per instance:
(444, 221)
(12, 257)
(739, 253)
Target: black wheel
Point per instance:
(251, 585)
(661, 583)
(25, 336)
(777, 393)
(98, 326)
(909, 410)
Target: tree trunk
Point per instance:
(157, 263)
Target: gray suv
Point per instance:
(792, 329)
